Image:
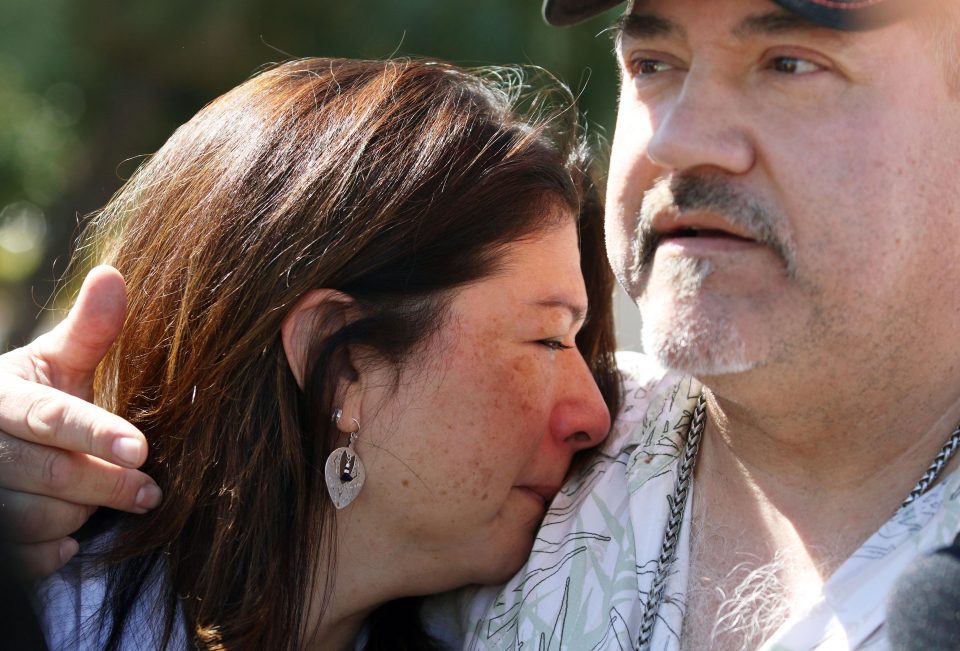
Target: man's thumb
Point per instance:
(73, 349)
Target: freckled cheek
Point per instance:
(475, 486)
(516, 432)
(525, 384)
(531, 390)
(508, 401)
(500, 411)
(481, 485)
(496, 384)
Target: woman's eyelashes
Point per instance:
(554, 344)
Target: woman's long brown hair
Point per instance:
(394, 182)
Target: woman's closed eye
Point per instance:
(554, 344)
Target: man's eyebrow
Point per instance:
(781, 22)
(578, 312)
(638, 25)
(645, 26)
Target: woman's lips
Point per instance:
(544, 493)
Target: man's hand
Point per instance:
(61, 456)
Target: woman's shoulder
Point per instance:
(68, 607)
(74, 614)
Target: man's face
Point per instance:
(778, 188)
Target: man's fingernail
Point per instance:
(68, 549)
(129, 450)
(149, 496)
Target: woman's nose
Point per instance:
(580, 417)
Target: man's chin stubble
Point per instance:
(678, 332)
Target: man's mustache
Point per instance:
(719, 195)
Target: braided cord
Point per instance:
(677, 501)
(936, 468)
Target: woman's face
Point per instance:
(464, 456)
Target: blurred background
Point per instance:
(87, 89)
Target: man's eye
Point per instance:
(649, 66)
(794, 66)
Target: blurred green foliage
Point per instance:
(88, 88)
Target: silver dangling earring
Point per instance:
(344, 472)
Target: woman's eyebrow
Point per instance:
(578, 312)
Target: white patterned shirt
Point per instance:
(594, 557)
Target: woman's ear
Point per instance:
(317, 315)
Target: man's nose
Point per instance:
(580, 418)
(704, 126)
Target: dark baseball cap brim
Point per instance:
(845, 15)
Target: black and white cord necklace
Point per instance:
(678, 501)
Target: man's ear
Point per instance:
(317, 315)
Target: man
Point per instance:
(781, 205)
(777, 190)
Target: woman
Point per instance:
(355, 310)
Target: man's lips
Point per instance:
(671, 225)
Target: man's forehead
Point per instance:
(834, 14)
